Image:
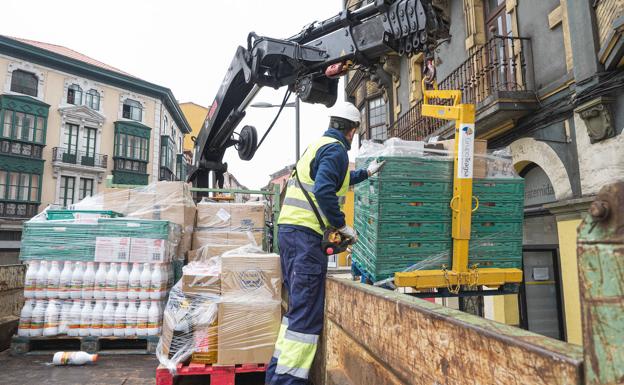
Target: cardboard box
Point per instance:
(203, 237)
(247, 331)
(479, 166)
(115, 199)
(231, 216)
(251, 277)
(201, 278)
(209, 251)
(149, 250)
(112, 249)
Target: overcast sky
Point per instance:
(186, 46)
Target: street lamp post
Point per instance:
(294, 104)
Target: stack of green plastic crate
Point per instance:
(72, 240)
(403, 218)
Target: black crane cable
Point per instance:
(286, 96)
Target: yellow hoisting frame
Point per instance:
(460, 274)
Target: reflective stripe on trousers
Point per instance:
(298, 351)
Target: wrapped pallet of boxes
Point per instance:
(169, 201)
(224, 311)
(226, 226)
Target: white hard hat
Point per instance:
(345, 110)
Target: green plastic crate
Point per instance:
(53, 215)
(136, 228)
(59, 241)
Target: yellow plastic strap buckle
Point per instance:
(457, 197)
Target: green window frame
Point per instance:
(17, 125)
(131, 147)
(181, 167)
(70, 138)
(86, 188)
(89, 136)
(166, 152)
(20, 186)
(74, 94)
(66, 192)
(92, 99)
(132, 110)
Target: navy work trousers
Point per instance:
(304, 269)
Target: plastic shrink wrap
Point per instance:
(222, 227)
(225, 310)
(403, 215)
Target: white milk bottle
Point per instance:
(146, 276)
(122, 281)
(73, 326)
(37, 319)
(65, 281)
(134, 281)
(85, 319)
(153, 319)
(51, 318)
(110, 292)
(142, 314)
(41, 280)
(108, 318)
(65, 317)
(30, 280)
(99, 285)
(88, 281)
(23, 330)
(73, 358)
(54, 276)
(76, 281)
(131, 319)
(120, 320)
(97, 318)
(156, 282)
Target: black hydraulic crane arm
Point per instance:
(309, 63)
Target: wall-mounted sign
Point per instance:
(537, 188)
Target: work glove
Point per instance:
(374, 167)
(347, 231)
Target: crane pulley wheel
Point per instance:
(247, 142)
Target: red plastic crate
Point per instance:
(219, 375)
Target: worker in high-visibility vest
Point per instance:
(323, 171)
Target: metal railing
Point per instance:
(498, 65)
(60, 154)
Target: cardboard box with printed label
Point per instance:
(231, 216)
(247, 331)
(112, 249)
(149, 250)
(252, 277)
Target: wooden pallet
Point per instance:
(218, 375)
(101, 345)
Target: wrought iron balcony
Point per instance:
(494, 78)
(60, 154)
(14, 209)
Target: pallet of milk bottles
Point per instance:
(94, 307)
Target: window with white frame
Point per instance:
(377, 119)
(88, 140)
(132, 110)
(70, 138)
(92, 99)
(24, 82)
(74, 94)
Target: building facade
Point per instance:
(69, 121)
(546, 80)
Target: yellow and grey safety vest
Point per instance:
(296, 209)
